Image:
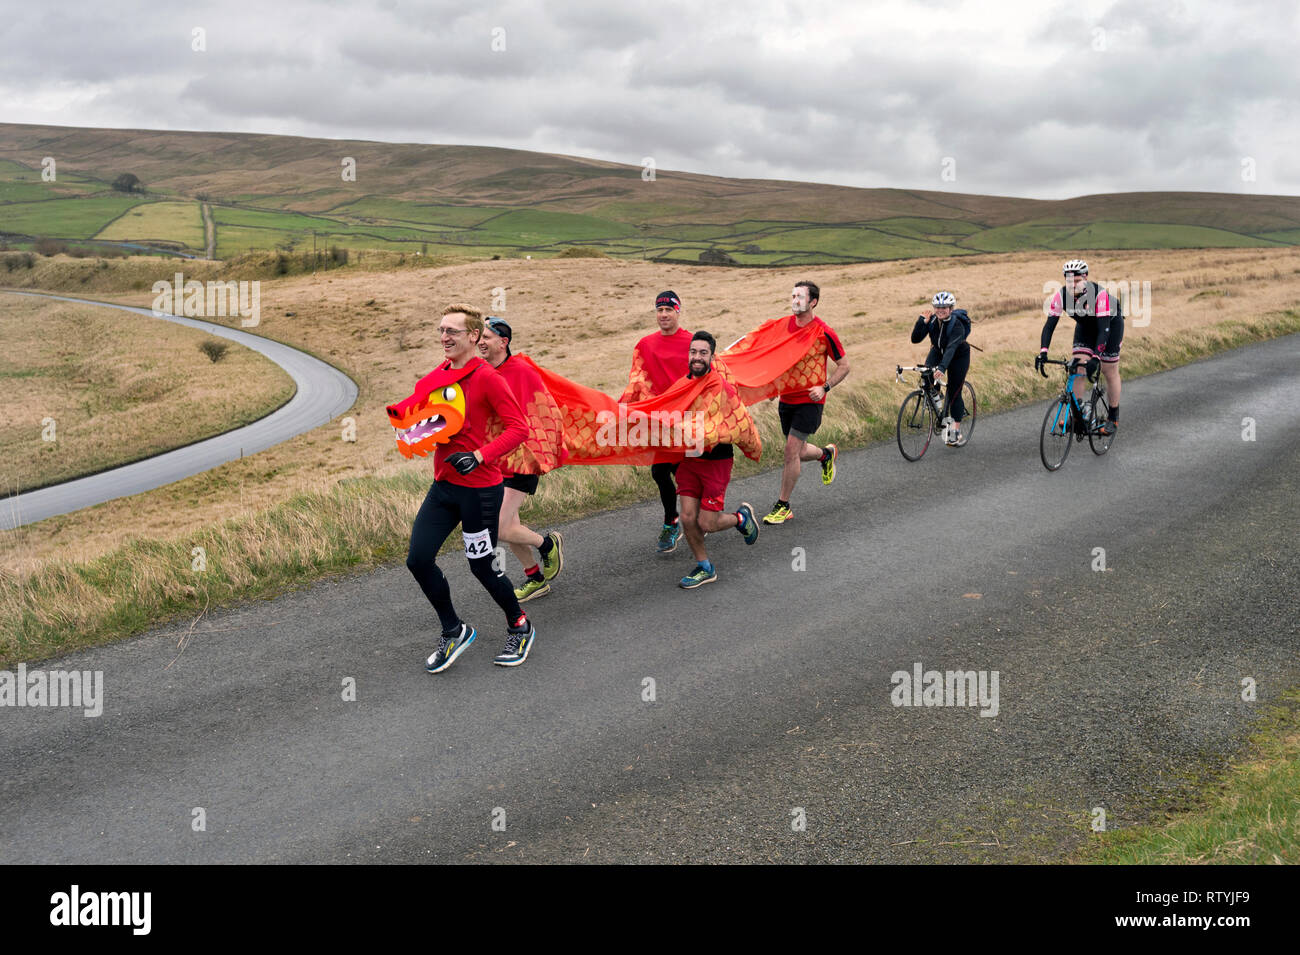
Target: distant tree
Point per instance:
(128, 182)
(49, 246)
(714, 257)
(214, 349)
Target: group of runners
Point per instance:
(475, 487)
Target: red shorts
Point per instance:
(706, 480)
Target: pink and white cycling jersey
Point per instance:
(1080, 302)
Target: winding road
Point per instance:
(754, 719)
(323, 393)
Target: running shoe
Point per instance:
(668, 537)
(748, 526)
(519, 640)
(451, 646)
(828, 466)
(553, 564)
(779, 514)
(698, 578)
(531, 589)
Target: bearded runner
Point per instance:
(465, 413)
(702, 480)
(543, 451)
(659, 360)
(786, 358)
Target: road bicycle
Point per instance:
(1066, 418)
(923, 413)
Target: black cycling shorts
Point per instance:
(1085, 337)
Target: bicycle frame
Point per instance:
(928, 386)
(1071, 375)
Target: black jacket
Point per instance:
(948, 337)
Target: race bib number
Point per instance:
(478, 544)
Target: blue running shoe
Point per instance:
(668, 538)
(748, 526)
(700, 576)
(451, 646)
(519, 640)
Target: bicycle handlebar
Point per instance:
(1067, 365)
(899, 369)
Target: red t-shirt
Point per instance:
(658, 361)
(487, 396)
(812, 367)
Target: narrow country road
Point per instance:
(323, 393)
(769, 730)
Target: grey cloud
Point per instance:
(742, 90)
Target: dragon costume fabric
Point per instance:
(544, 450)
(773, 360)
(435, 412)
(694, 413)
(571, 423)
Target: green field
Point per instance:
(853, 244)
(1112, 235)
(64, 218)
(166, 221)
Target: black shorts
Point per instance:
(1085, 338)
(803, 420)
(522, 482)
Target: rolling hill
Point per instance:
(471, 202)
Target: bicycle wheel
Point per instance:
(915, 426)
(1100, 443)
(968, 398)
(1054, 443)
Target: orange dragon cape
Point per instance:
(435, 412)
(570, 423)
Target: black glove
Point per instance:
(1094, 366)
(463, 461)
(1040, 363)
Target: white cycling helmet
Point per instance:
(1077, 266)
(943, 298)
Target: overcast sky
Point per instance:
(1041, 99)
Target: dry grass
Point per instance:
(118, 386)
(582, 317)
(65, 605)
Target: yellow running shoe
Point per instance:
(531, 589)
(779, 514)
(828, 466)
